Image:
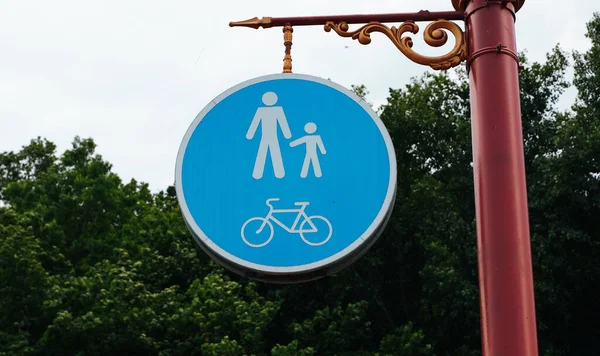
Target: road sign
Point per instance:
(286, 177)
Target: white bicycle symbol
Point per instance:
(256, 225)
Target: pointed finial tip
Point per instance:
(254, 22)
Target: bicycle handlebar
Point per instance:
(298, 203)
(270, 200)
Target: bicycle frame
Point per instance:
(301, 213)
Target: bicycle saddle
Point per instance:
(300, 203)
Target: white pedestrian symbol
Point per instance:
(270, 117)
(311, 141)
(304, 225)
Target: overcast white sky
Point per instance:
(132, 75)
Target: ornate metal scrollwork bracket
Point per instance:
(435, 35)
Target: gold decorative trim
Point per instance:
(254, 22)
(434, 36)
(461, 5)
(287, 42)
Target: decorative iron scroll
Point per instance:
(434, 35)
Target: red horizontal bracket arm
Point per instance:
(423, 15)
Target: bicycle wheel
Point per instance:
(317, 221)
(251, 234)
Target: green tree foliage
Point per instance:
(91, 265)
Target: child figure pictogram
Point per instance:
(312, 142)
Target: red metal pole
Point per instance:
(422, 15)
(508, 322)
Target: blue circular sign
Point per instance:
(286, 174)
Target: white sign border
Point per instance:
(371, 231)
